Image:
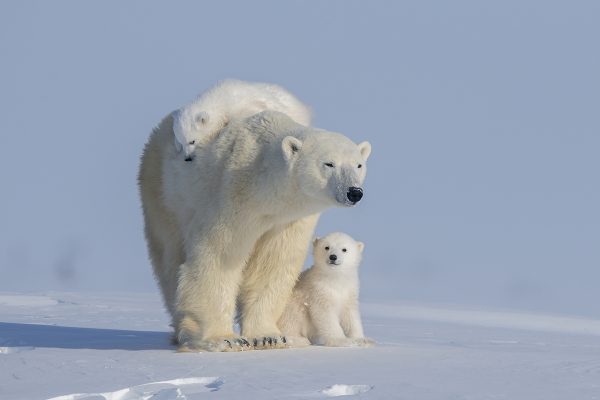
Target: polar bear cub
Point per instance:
(323, 308)
(198, 123)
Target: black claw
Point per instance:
(255, 341)
(283, 339)
(270, 341)
(245, 342)
(264, 341)
(275, 341)
(229, 343)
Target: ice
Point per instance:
(345, 390)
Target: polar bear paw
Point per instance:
(269, 342)
(219, 344)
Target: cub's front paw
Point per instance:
(216, 344)
(339, 342)
(364, 342)
(349, 342)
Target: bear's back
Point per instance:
(259, 135)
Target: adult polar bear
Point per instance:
(233, 227)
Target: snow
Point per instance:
(27, 301)
(74, 346)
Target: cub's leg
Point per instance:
(352, 325)
(326, 324)
(269, 278)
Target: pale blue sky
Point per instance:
(484, 117)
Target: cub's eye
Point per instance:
(344, 250)
(327, 248)
(329, 164)
(192, 142)
(359, 165)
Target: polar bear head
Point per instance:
(337, 251)
(329, 168)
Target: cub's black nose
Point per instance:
(355, 194)
(189, 158)
(333, 257)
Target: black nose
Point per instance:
(190, 158)
(333, 257)
(355, 194)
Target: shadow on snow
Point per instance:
(65, 337)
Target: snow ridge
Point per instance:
(175, 389)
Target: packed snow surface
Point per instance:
(71, 346)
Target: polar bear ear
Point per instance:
(316, 241)
(290, 146)
(365, 149)
(361, 246)
(178, 146)
(202, 118)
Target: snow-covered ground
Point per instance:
(116, 346)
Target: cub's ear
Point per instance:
(202, 118)
(290, 146)
(178, 146)
(361, 246)
(316, 241)
(365, 149)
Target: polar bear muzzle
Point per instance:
(354, 194)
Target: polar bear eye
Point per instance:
(344, 250)
(329, 164)
(192, 142)
(326, 247)
(359, 165)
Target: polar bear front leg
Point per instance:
(270, 276)
(206, 297)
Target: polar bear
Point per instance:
(233, 228)
(197, 123)
(323, 308)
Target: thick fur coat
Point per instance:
(323, 308)
(230, 231)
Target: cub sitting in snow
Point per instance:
(323, 308)
(198, 123)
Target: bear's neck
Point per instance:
(286, 202)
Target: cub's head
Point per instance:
(190, 129)
(337, 251)
(329, 168)
(203, 124)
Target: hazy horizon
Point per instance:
(482, 188)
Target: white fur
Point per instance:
(234, 226)
(323, 308)
(198, 123)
